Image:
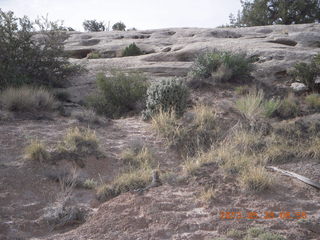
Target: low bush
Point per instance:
(308, 72)
(119, 26)
(62, 95)
(191, 137)
(270, 236)
(32, 52)
(93, 26)
(131, 50)
(167, 95)
(219, 66)
(270, 107)
(27, 99)
(119, 94)
(37, 151)
(289, 107)
(313, 101)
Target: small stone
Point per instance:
(298, 87)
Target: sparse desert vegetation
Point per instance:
(210, 112)
(119, 94)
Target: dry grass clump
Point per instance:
(207, 194)
(191, 165)
(242, 90)
(61, 213)
(189, 137)
(166, 125)
(82, 141)
(313, 101)
(235, 234)
(137, 158)
(253, 105)
(250, 105)
(289, 107)
(125, 182)
(37, 151)
(256, 179)
(89, 184)
(280, 149)
(27, 99)
(88, 116)
(313, 149)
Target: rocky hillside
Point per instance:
(170, 52)
(60, 200)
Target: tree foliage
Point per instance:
(32, 52)
(93, 26)
(119, 26)
(268, 12)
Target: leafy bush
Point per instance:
(131, 50)
(268, 12)
(308, 72)
(220, 66)
(27, 99)
(119, 26)
(62, 95)
(118, 94)
(313, 101)
(32, 57)
(289, 107)
(270, 107)
(93, 26)
(167, 95)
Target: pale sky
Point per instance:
(141, 14)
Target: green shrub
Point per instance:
(270, 236)
(308, 72)
(93, 26)
(118, 94)
(62, 95)
(289, 107)
(119, 26)
(131, 50)
(27, 58)
(313, 101)
(27, 99)
(94, 55)
(270, 107)
(167, 95)
(220, 66)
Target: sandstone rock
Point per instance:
(170, 52)
(298, 87)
